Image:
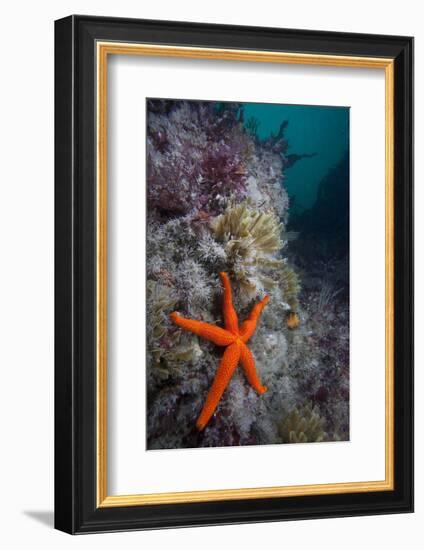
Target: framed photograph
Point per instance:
(233, 273)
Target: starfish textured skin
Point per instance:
(234, 339)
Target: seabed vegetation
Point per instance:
(216, 202)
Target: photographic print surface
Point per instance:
(247, 274)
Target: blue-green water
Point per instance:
(311, 129)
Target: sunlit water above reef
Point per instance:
(313, 130)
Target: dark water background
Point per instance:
(318, 188)
(311, 129)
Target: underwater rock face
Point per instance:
(216, 202)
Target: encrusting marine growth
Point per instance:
(234, 338)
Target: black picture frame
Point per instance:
(76, 509)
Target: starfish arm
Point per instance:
(249, 326)
(248, 362)
(214, 334)
(223, 375)
(230, 315)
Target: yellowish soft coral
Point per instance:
(167, 351)
(304, 425)
(251, 241)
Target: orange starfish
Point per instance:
(234, 339)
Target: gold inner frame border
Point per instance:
(103, 50)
